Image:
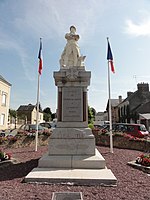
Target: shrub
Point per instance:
(91, 125)
(4, 156)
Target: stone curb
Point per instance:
(139, 166)
(8, 162)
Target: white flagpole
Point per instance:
(110, 116)
(37, 113)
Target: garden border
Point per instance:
(119, 141)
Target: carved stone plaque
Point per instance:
(72, 104)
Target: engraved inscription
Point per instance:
(72, 104)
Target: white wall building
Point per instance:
(4, 102)
(28, 112)
(100, 118)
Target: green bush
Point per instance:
(91, 126)
(1, 155)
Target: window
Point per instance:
(130, 128)
(4, 99)
(2, 119)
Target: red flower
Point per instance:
(143, 160)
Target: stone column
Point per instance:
(85, 106)
(59, 110)
(72, 86)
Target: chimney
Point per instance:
(143, 87)
(129, 93)
(120, 99)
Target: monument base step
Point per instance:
(72, 141)
(71, 176)
(71, 161)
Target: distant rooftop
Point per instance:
(99, 113)
(28, 107)
(3, 80)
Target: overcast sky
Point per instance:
(23, 22)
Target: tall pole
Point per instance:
(37, 113)
(110, 116)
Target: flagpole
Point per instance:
(110, 115)
(38, 93)
(37, 113)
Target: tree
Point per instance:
(13, 116)
(53, 116)
(47, 114)
(93, 112)
(12, 113)
(90, 115)
(47, 110)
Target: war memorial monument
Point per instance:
(72, 156)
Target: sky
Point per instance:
(23, 23)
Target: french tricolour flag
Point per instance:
(40, 58)
(110, 58)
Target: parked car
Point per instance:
(98, 126)
(119, 127)
(136, 130)
(105, 128)
(46, 125)
(49, 125)
(30, 129)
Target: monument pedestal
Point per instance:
(72, 156)
(72, 148)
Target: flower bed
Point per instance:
(24, 140)
(122, 140)
(143, 160)
(7, 139)
(4, 156)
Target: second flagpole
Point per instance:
(110, 116)
(37, 113)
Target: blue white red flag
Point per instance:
(40, 58)
(110, 58)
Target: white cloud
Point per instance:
(51, 19)
(141, 28)
(10, 44)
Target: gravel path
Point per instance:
(132, 184)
